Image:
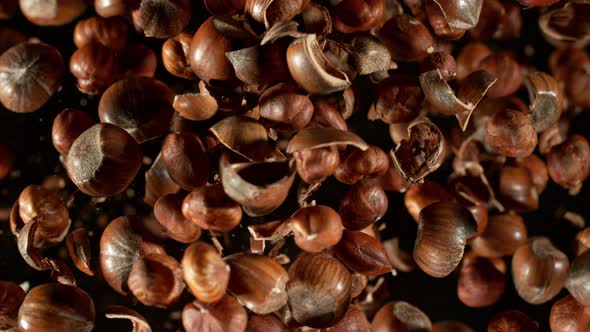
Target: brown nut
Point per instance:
(95, 67)
(103, 160)
(186, 160)
(162, 18)
(285, 109)
(140, 105)
(67, 126)
(227, 315)
(210, 208)
(50, 212)
(400, 316)
(451, 18)
(38, 310)
(363, 205)
(258, 282)
(443, 230)
(363, 253)
(206, 274)
(168, 212)
(511, 133)
(420, 195)
(315, 165)
(11, 298)
(52, 13)
(517, 190)
(569, 163)
(319, 289)
(110, 32)
(316, 228)
(539, 270)
(578, 277)
(503, 235)
(481, 280)
(30, 73)
(406, 38)
(175, 56)
(568, 314)
(156, 280)
(358, 165)
(512, 320)
(354, 15)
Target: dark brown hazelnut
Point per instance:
(569, 163)
(316, 228)
(470, 57)
(138, 60)
(568, 314)
(285, 109)
(511, 321)
(407, 38)
(140, 105)
(52, 13)
(206, 274)
(29, 75)
(503, 235)
(175, 56)
(110, 8)
(499, 20)
(95, 66)
(358, 15)
(481, 280)
(354, 320)
(186, 160)
(315, 165)
(103, 160)
(517, 190)
(210, 208)
(511, 133)
(224, 7)
(50, 212)
(325, 114)
(268, 322)
(168, 212)
(11, 298)
(363, 205)
(539, 270)
(537, 170)
(582, 241)
(420, 195)
(398, 99)
(578, 278)
(400, 316)
(227, 315)
(67, 126)
(441, 61)
(123, 241)
(319, 289)
(358, 165)
(363, 253)
(156, 280)
(38, 311)
(508, 72)
(443, 230)
(258, 282)
(162, 18)
(215, 37)
(110, 32)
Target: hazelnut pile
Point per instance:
(284, 165)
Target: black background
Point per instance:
(28, 137)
